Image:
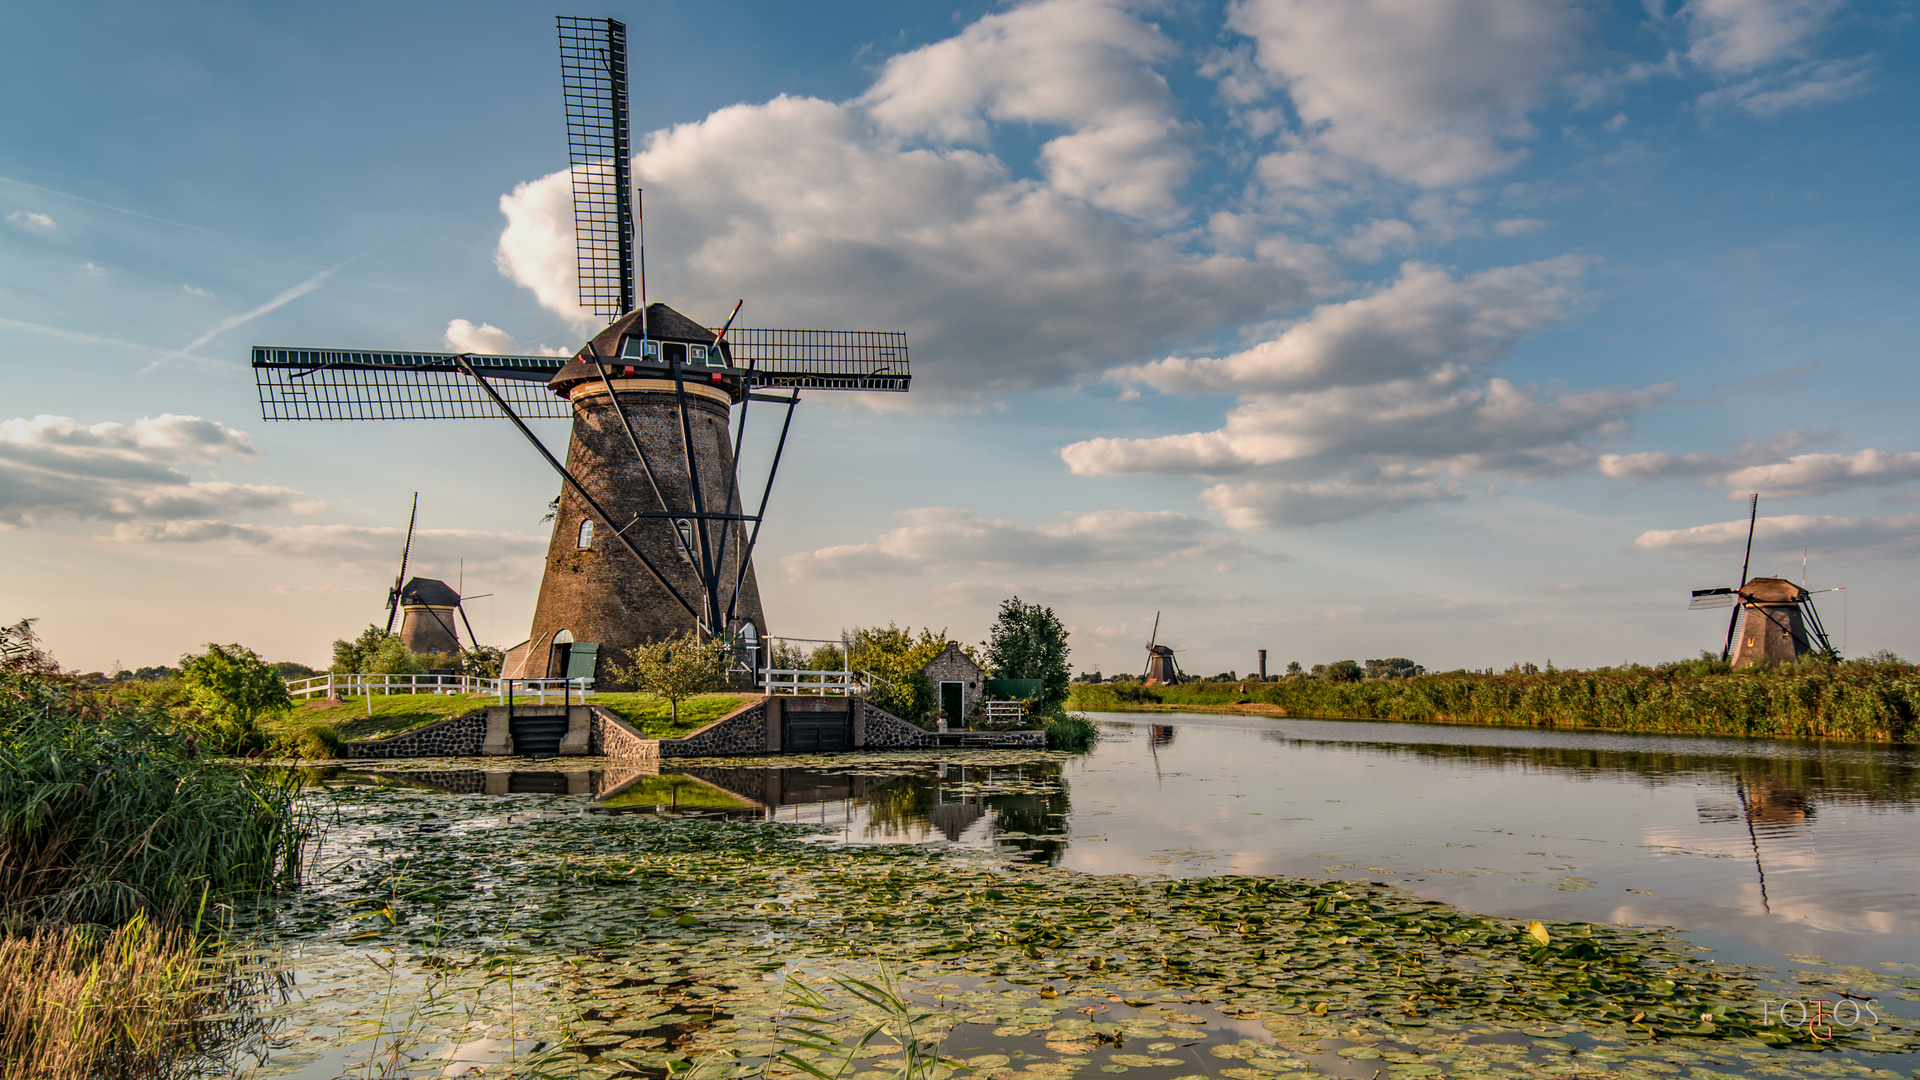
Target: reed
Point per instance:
(1855, 702)
(76, 1002)
(106, 812)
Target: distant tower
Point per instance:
(1162, 668)
(1773, 629)
(428, 608)
(1774, 621)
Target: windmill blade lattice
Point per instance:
(593, 76)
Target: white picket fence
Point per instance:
(822, 683)
(1006, 711)
(357, 685)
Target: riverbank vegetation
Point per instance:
(121, 838)
(1869, 701)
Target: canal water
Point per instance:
(1780, 854)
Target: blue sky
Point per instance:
(1456, 330)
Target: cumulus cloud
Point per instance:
(951, 539)
(1431, 93)
(1820, 474)
(1001, 284)
(500, 556)
(1712, 465)
(55, 465)
(1362, 406)
(488, 339)
(1084, 65)
(32, 221)
(1740, 35)
(1867, 537)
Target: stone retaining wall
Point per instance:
(885, 731)
(613, 737)
(742, 731)
(460, 736)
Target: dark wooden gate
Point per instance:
(802, 732)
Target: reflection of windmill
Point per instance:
(1773, 620)
(425, 607)
(1162, 668)
(650, 535)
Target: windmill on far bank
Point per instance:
(650, 535)
(1162, 668)
(1773, 620)
(425, 607)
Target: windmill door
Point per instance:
(816, 730)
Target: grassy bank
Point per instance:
(315, 726)
(1863, 702)
(75, 1004)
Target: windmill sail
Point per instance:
(1712, 598)
(593, 76)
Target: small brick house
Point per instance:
(959, 684)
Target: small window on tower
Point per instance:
(686, 534)
(642, 350)
(586, 535)
(699, 354)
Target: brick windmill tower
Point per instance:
(651, 536)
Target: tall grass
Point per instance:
(107, 813)
(75, 1003)
(1863, 702)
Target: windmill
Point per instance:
(650, 535)
(1773, 620)
(1162, 668)
(425, 607)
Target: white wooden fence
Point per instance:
(798, 681)
(1007, 711)
(356, 685)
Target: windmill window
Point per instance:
(642, 349)
(671, 351)
(586, 535)
(699, 353)
(686, 534)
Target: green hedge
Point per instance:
(1863, 702)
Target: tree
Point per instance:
(674, 668)
(1344, 671)
(896, 656)
(1029, 642)
(235, 688)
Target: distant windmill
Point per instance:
(1162, 668)
(425, 607)
(650, 534)
(1773, 619)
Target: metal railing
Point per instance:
(801, 681)
(358, 684)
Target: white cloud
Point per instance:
(193, 291)
(93, 270)
(1813, 83)
(1820, 474)
(1086, 65)
(1740, 35)
(54, 465)
(32, 221)
(487, 339)
(1430, 93)
(1361, 406)
(1518, 226)
(961, 542)
(1001, 284)
(498, 556)
(1661, 465)
(1867, 537)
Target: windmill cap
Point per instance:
(429, 591)
(1772, 590)
(662, 324)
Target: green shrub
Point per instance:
(1071, 732)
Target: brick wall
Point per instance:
(458, 737)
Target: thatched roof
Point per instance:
(662, 324)
(1772, 590)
